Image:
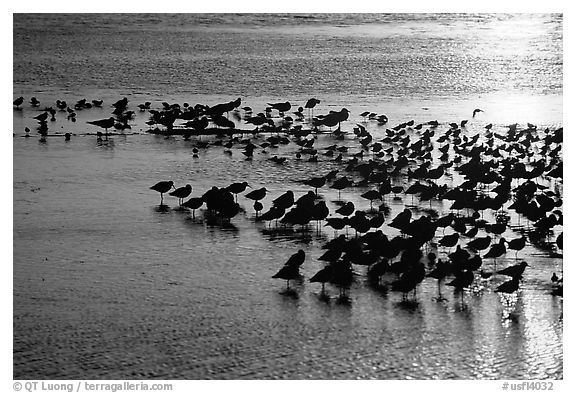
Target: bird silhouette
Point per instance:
(517, 244)
(296, 259)
(514, 271)
(237, 188)
(181, 193)
(163, 187)
(193, 203)
(288, 272)
(105, 123)
(257, 195)
(323, 276)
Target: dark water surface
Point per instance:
(109, 286)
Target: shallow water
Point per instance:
(109, 286)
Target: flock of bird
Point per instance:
(495, 170)
(500, 171)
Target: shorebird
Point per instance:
(346, 209)
(449, 240)
(296, 259)
(514, 271)
(281, 106)
(182, 193)
(163, 187)
(480, 243)
(310, 104)
(463, 279)
(105, 123)
(439, 273)
(496, 250)
(340, 184)
(517, 244)
(323, 276)
(258, 207)
(371, 195)
(288, 272)
(237, 188)
(34, 101)
(316, 182)
(193, 203)
(257, 195)
(476, 111)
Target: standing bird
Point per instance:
(554, 278)
(257, 195)
(517, 244)
(346, 209)
(288, 272)
(105, 123)
(193, 203)
(237, 188)
(449, 240)
(340, 184)
(497, 250)
(182, 193)
(162, 187)
(316, 182)
(514, 271)
(281, 106)
(371, 195)
(34, 102)
(291, 269)
(258, 207)
(439, 273)
(463, 279)
(310, 104)
(296, 259)
(480, 243)
(323, 276)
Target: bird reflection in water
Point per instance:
(162, 209)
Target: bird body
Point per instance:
(346, 209)
(288, 272)
(462, 280)
(281, 106)
(517, 244)
(480, 243)
(257, 195)
(449, 240)
(182, 192)
(104, 123)
(497, 250)
(311, 103)
(297, 259)
(237, 188)
(514, 271)
(162, 187)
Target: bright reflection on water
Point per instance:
(113, 287)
